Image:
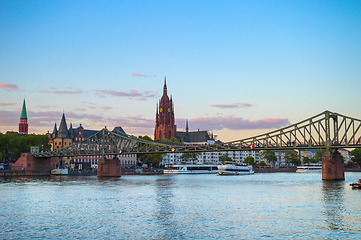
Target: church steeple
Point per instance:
(165, 127)
(23, 111)
(23, 125)
(165, 87)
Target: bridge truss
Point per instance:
(323, 131)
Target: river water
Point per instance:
(268, 205)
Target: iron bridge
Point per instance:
(323, 131)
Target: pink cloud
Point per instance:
(107, 108)
(142, 75)
(235, 105)
(9, 87)
(54, 90)
(69, 92)
(233, 123)
(91, 103)
(7, 104)
(131, 94)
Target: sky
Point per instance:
(235, 68)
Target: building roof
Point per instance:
(23, 111)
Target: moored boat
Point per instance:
(232, 168)
(311, 167)
(59, 171)
(190, 168)
(356, 185)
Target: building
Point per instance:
(210, 157)
(64, 137)
(196, 136)
(23, 125)
(165, 127)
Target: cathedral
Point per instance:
(164, 121)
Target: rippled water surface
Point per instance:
(270, 205)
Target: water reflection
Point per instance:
(165, 208)
(333, 200)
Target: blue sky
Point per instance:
(237, 68)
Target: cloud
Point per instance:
(233, 123)
(9, 87)
(235, 105)
(141, 75)
(7, 104)
(131, 94)
(45, 107)
(106, 108)
(54, 90)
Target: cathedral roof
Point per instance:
(23, 111)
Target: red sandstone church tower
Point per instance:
(164, 120)
(23, 125)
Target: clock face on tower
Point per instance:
(161, 110)
(168, 109)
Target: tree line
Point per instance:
(13, 144)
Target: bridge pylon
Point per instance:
(109, 167)
(332, 166)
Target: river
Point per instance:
(207, 206)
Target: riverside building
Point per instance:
(64, 137)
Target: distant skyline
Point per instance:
(235, 68)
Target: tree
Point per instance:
(269, 155)
(291, 157)
(250, 160)
(12, 145)
(153, 160)
(225, 158)
(356, 156)
(319, 153)
(263, 164)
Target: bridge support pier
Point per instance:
(332, 166)
(109, 167)
(34, 166)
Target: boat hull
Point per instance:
(191, 169)
(222, 172)
(58, 171)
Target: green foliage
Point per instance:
(12, 145)
(263, 164)
(269, 155)
(319, 153)
(172, 140)
(292, 158)
(225, 158)
(250, 160)
(356, 156)
(145, 137)
(153, 160)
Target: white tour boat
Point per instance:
(190, 168)
(59, 171)
(310, 167)
(232, 168)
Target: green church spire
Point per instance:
(23, 111)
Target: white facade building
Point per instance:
(209, 157)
